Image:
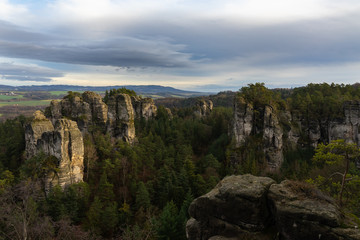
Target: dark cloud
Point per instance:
(316, 41)
(153, 42)
(10, 71)
(120, 51)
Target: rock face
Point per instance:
(60, 132)
(264, 121)
(292, 131)
(203, 108)
(144, 107)
(249, 207)
(64, 142)
(121, 117)
(116, 117)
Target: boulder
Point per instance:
(237, 205)
(302, 212)
(246, 207)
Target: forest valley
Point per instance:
(143, 189)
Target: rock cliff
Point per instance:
(203, 107)
(63, 141)
(249, 207)
(280, 129)
(121, 117)
(116, 117)
(60, 132)
(143, 107)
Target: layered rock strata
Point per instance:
(248, 207)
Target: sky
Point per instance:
(211, 45)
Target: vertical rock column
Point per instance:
(121, 117)
(69, 145)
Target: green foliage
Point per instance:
(259, 96)
(322, 101)
(12, 143)
(39, 167)
(170, 225)
(142, 197)
(337, 152)
(72, 95)
(114, 92)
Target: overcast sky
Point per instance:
(203, 45)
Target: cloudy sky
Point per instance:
(203, 45)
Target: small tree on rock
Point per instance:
(337, 152)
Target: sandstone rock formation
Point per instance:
(292, 131)
(249, 121)
(143, 107)
(203, 107)
(121, 117)
(249, 207)
(64, 142)
(60, 132)
(116, 117)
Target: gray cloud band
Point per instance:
(10, 71)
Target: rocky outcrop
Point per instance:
(116, 117)
(280, 129)
(143, 107)
(64, 142)
(33, 133)
(237, 206)
(249, 207)
(60, 133)
(121, 117)
(203, 107)
(98, 108)
(243, 121)
(272, 139)
(260, 121)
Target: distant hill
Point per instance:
(155, 91)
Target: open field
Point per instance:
(6, 98)
(26, 103)
(58, 93)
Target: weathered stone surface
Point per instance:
(243, 121)
(203, 107)
(121, 117)
(144, 107)
(116, 117)
(236, 205)
(303, 213)
(244, 125)
(64, 142)
(292, 131)
(273, 142)
(249, 207)
(34, 131)
(98, 108)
